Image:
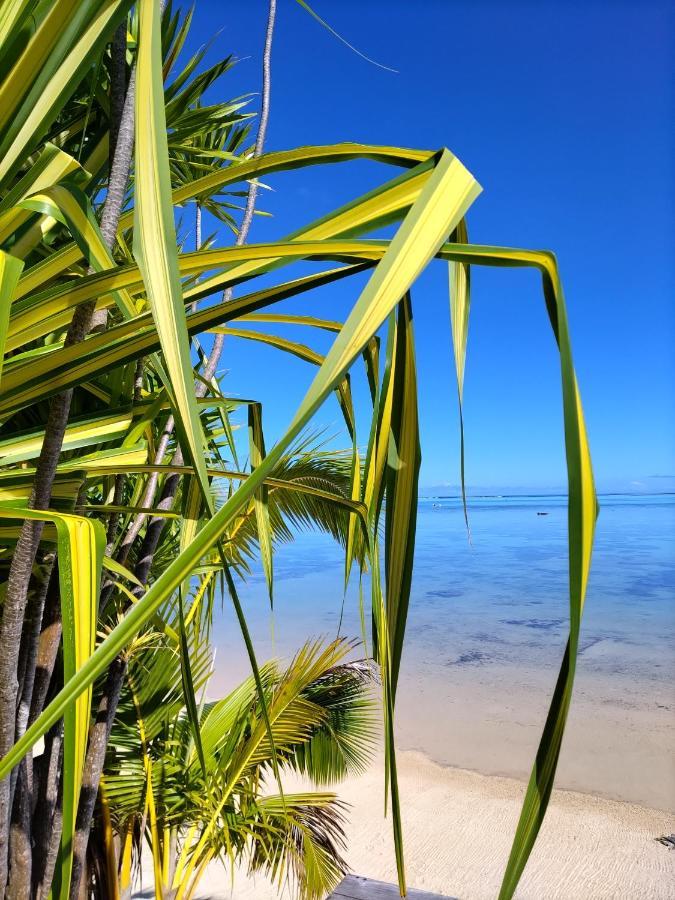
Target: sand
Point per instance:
(619, 742)
(458, 826)
(615, 780)
(467, 735)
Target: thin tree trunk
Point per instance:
(19, 884)
(30, 642)
(48, 646)
(118, 494)
(118, 85)
(27, 654)
(118, 180)
(264, 120)
(213, 361)
(148, 495)
(47, 818)
(29, 538)
(93, 767)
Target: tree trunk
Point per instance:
(19, 884)
(47, 819)
(29, 538)
(48, 647)
(30, 641)
(93, 768)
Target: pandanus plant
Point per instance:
(120, 490)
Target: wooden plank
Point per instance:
(356, 887)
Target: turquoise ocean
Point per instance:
(487, 626)
(500, 597)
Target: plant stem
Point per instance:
(47, 819)
(48, 646)
(93, 767)
(118, 85)
(18, 886)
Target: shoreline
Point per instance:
(487, 719)
(591, 793)
(619, 742)
(458, 826)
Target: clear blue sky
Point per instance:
(563, 111)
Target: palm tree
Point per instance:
(199, 795)
(120, 487)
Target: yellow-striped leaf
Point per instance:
(256, 444)
(460, 304)
(10, 270)
(81, 543)
(85, 432)
(402, 471)
(155, 237)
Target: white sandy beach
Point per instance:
(458, 826)
(616, 793)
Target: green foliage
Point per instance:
(322, 716)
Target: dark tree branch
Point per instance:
(118, 85)
(20, 869)
(93, 767)
(48, 646)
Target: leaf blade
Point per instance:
(155, 237)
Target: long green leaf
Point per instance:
(302, 351)
(81, 543)
(57, 303)
(10, 270)
(343, 40)
(256, 443)
(402, 472)
(69, 366)
(377, 214)
(83, 432)
(155, 237)
(582, 514)
(71, 207)
(460, 305)
(51, 167)
(189, 685)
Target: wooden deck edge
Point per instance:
(356, 887)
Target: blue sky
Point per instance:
(562, 112)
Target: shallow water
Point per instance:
(502, 597)
(487, 626)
